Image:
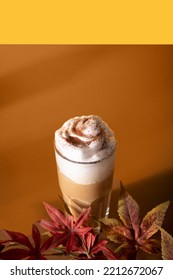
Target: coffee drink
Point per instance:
(85, 152)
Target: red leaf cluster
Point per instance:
(65, 228)
(90, 247)
(76, 236)
(28, 250)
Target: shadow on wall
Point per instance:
(150, 192)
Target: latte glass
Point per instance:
(85, 184)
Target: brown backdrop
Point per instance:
(130, 87)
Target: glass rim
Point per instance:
(83, 162)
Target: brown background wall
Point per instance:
(130, 87)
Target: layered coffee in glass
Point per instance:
(85, 154)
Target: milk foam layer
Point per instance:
(81, 141)
(85, 139)
(85, 173)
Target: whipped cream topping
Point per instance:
(85, 139)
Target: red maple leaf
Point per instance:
(30, 250)
(64, 227)
(93, 248)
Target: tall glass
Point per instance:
(85, 184)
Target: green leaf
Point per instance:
(114, 230)
(128, 210)
(166, 245)
(151, 246)
(153, 220)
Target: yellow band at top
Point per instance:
(86, 22)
